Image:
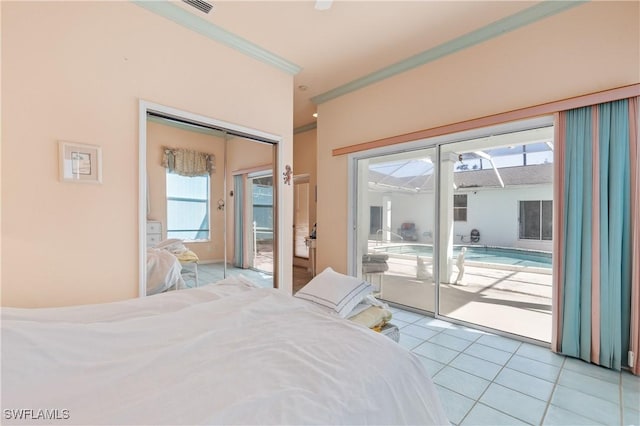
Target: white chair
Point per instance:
(185, 268)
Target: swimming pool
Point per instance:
(482, 254)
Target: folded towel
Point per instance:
(371, 268)
(373, 317)
(375, 258)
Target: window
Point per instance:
(375, 219)
(536, 220)
(187, 207)
(262, 197)
(460, 208)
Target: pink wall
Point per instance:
(586, 49)
(305, 158)
(76, 71)
(160, 136)
(305, 162)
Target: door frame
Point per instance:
(145, 107)
(298, 179)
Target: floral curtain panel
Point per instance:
(186, 162)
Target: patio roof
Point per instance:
(511, 176)
(516, 158)
(537, 174)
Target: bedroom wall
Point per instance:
(305, 156)
(159, 136)
(76, 71)
(589, 48)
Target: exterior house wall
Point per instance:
(416, 208)
(497, 226)
(495, 212)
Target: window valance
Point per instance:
(186, 162)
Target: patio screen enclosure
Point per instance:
(464, 226)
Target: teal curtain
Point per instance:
(595, 322)
(576, 329)
(615, 233)
(238, 211)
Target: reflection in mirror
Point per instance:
(250, 221)
(202, 203)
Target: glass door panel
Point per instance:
(395, 226)
(262, 216)
(301, 217)
(495, 227)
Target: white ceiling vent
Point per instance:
(200, 5)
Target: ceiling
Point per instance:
(351, 39)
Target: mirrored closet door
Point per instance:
(210, 205)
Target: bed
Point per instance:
(164, 272)
(165, 262)
(223, 353)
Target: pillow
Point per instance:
(335, 292)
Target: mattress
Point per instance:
(225, 353)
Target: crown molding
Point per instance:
(214, 32)
(510, 23)
(305, 128)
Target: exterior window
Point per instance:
(187, 207)
(460, 208)
(536, 220)
(375, 219)
(263, 207)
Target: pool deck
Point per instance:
(516, 301)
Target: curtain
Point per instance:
(186, 162)
(238, 212)
(634, 123)
(596, 255)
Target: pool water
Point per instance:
(499, 255)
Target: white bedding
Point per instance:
(163, 271)
(226, 353)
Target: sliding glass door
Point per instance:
(395, 224)
(262, 222)
(472, 214)
(496, 198)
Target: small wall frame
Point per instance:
(81, 163)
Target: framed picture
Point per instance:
(80, 162)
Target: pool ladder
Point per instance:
(379, 235)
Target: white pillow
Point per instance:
(335, 291)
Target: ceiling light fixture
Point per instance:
(315, 115)
(323, 4)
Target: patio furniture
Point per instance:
(374, 265)
(408, 231)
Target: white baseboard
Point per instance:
(210, 261)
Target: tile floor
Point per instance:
(213, 272)
(485, 379)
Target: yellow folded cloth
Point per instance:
(373, 317)
(187, 257)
